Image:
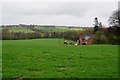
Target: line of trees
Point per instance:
(106, 36)
(110, 35)
(7, 35)
(114, 22)
(103, 36)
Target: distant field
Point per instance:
(21, 29)
(52, 29)
(46, 58)
(44, 29)
(57, 29)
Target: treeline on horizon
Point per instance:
(33, 25)
(11, 35)
(103, 36)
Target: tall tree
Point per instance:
(114, 19)
(96, 24)
(114, 23)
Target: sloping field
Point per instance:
(57, 29)
(21, 29)
(46, 58)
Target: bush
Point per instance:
(100, 38)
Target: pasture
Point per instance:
(21, 29)
(0, 58)
(44, 29)
(58, 29)
(46, 58)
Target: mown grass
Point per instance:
(46, 58)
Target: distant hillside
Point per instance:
(35, 28)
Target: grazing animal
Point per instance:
(65, 43)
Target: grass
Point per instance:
(52, 29)
(57, 29)
(21, 29)
(44, 29)
(46, 58)
(0, 58)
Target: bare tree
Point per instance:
(114, 23)
(114, 19)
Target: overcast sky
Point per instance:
(57, 13)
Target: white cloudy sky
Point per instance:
(57, 13)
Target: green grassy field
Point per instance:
(52, 29)
(0, 58)
(45, 29)
(46, 58)
(21, 29)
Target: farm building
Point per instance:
(86, 39)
